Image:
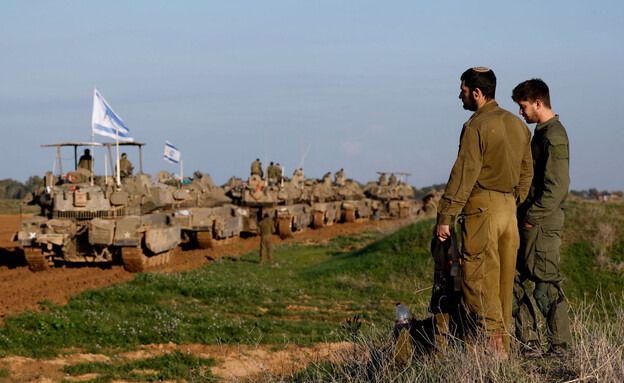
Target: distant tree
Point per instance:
(619, 193)
(593, 193)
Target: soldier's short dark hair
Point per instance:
(531, 90)
(482, 78)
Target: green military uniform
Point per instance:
(266, 227)
(125, 167)
(430, 207)
(256, 168)
(272, 173)
(85, 162)
(382, 180)
(492, 171)
(538, 257)
(393, 179)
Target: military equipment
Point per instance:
(92, 219)
(391, 201)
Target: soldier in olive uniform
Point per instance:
(86, 161)
(272, 174)
(492, 173)
(265, 229)
(429, 205)
(125, 166)
(393, 179)
(540, 220)
(256, 168)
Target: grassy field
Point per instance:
(324, 293)
(13, 206)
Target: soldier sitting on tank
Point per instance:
(382, 180)
(86, 161)
(393, 179)
(340, 177)
(256, 168)
(125, 166)
(327, 178)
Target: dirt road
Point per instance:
(22, 289)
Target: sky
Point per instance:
(362, 85)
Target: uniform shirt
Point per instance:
(266, 226)
(551, 168)
(494, 154)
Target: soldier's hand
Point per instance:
(442, 232)
(527, 225)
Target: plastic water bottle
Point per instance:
(402, 314)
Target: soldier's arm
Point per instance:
(526, 174)
(463, 176)
(556, 180)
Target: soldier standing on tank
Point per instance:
(256, 168)
(86, 161)
(540, 220)
(272, 174)
(382, 180)
(265, 229)
(492, 172)
(340, 177)
(125, 166)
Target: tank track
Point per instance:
(35, 259)
(284, 228)
(204, 239)
(135, 261)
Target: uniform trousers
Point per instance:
(266, 246)
(489, 248)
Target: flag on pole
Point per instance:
(172, 154)
(106, 122)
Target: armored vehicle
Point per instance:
(91, 219)
(391, 200)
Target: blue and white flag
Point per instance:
(106, 122)
(172, 154)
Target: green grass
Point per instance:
(170, 366)
(12, 206)
(302, 299)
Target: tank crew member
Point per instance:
(540, 220)
(279, 172)
(265, 229)
(382, 180)
(492, 172)
(125, 166)
(340, 177)
(272, 174)
(256, 168)
(393, 179)
(86, 161)
(327, 178)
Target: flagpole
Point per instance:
(92, 151)
(181, 172)
(117, 145)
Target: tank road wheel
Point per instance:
(284, 227)
(350, 215)
(35, 259)
(133, 259)
(319, 219)
(204, 239)
(403, 212)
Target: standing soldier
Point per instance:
(266, 228)
(492, 172)
(540, 220)
(86, 161)
(429, 205)
(340, 177)
(383, 181)
(256, 168)
(271, 174)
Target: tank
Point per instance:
(391, 200)
(87, 219)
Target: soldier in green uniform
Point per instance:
(392, 179)
(265, 229)
(272, 174)
(86, 161)
(540, 220)
(429, 205)
(492, 173)
(125, 166)
(256, 168)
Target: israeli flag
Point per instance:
(172, 154)
(106, 122)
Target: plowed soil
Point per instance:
(22, 289)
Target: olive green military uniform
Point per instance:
(538, 257)
(393, 179)
(266, 228)
(382, 180)
(126, 168)
(86, 162)
(272, 173)
(256, 168)
(492, 171)
(430, 207)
